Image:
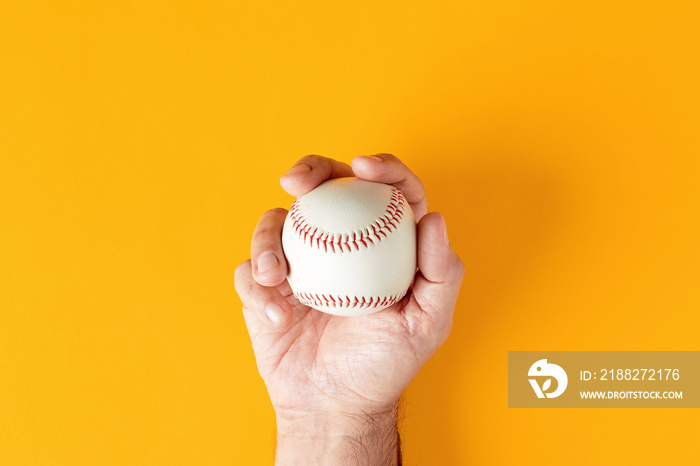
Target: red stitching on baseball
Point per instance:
(389, 222)
(362, 302)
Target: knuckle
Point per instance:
(270, 223)
(266, 236)
(272, 213)
(460, 268)
(310, 158)
(276, 211)
(398, 161)
(248, 291)
(241, 269)
(413, 178)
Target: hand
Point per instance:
(324, 366)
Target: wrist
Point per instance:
(338, 437)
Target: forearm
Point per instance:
(338, 439)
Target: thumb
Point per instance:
(441, 270)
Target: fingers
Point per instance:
(386, 168)
(441, 270)
(438, 262)
(311, 171)
(269, 267)
(261, 302)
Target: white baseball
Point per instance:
(351, 247)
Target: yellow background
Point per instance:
(140, 142)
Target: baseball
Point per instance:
(350, 246)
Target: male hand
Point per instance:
(334, 382)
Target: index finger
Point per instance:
(388, 169)
(311, 171)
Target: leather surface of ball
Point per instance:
(350, 246)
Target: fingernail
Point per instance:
(266, 261)
(444, 235)
(373, 157)
(274, 312)
(301, 168)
